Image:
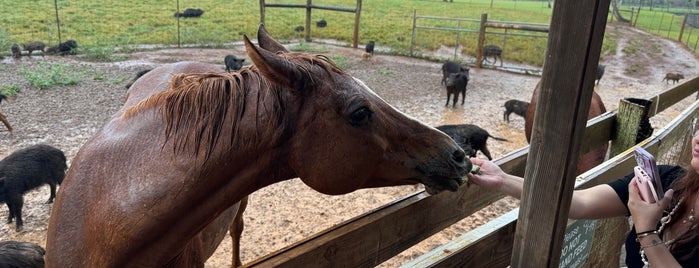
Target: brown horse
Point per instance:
(161, 182)
(591, 158)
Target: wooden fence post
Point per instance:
(481, 40)
(632, 16)
(610, 233)
(262, 11)
(564, 101)
(308, 20)
(684, 22)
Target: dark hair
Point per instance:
(684, 248)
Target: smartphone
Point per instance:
(645, 185)
(647, 163)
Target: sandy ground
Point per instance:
(281, 214)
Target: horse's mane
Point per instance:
(195, 106)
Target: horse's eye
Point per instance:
(360, 116)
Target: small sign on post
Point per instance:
(577, 243)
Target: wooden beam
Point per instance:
(566, 89)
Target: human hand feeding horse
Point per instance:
(162, 181)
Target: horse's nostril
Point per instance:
(459, 155)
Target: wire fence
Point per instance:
(148, 23)
(680, 24)
(470, 36)
(152, 23)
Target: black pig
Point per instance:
(456, 84)
(471, 138)
(35, 45)
(16, 51)
(675, 77)
(138, 75)
(15, 254)
(233, 63)
(190, 13)
(452, 67)
(25, 170)
(515, 106)
(600, 73)
(492, 51)
(66, 48)
(369, 48)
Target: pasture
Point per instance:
(66, 115)
(145, 25)
(142, 25)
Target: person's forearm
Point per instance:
(512, 186)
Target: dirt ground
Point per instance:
(284, 213)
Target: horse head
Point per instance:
(345, 137)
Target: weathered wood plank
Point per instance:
(673, 95)
(491, 246)
(566, 89)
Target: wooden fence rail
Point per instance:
(309, 6)
(483, 25)
(376, 236)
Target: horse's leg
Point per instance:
(236, 231)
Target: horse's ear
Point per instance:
(273, 66)
(265, 40)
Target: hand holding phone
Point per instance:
(645, 185)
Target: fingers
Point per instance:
(634, 193)
(476, 161)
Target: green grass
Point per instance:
(104, 54)
(126, 25)
(341, 61)
(10, 90)
(665, 22)
(45, 75)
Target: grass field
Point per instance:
(130, 24)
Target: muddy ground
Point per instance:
(281, 214)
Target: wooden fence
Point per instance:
(483, 27)
(376, 236)
(309, 6)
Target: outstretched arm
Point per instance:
(592, 203)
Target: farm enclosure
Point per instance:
(66, 116)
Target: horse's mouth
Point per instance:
(437, 184)
(438, 178)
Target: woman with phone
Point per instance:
(665, 233)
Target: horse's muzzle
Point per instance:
(450, 177)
